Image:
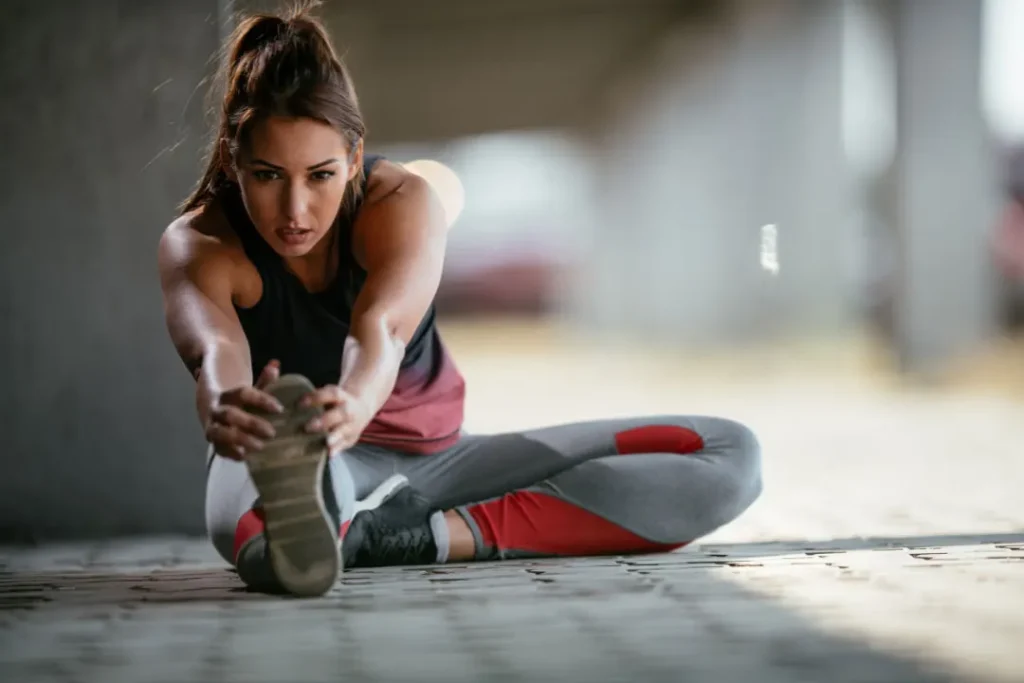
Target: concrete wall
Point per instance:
(724, 128)
(102, 124)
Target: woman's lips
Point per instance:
(293, 236)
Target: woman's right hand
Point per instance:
(231, 428)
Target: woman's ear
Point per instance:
(356, 160)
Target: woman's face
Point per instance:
(293, 176)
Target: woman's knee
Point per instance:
(687, 500)
(746, 447)
(736, 483)
(735, 451)
(735, 443)
(743, 459)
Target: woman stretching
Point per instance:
(298, 286)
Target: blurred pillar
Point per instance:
(942, 186)
(727, 127)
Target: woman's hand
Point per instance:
(231, 428)
(344, 419)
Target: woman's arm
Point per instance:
(196, 279)
(400, 239)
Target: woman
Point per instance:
(300, 254)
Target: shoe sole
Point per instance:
(288, 475)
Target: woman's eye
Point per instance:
(264, 175)
(320, 176)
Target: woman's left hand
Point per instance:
(344, 419)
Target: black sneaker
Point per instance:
(395, 533)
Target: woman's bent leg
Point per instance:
(612, 486)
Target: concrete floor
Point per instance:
(888, 546)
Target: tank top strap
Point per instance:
(369, 161)
(353, 271)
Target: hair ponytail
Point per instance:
(252, 34)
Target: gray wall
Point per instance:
(726, 127)
(101, 123)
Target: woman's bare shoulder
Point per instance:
(202, 234)
(386, 178)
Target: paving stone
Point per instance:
(787, 612)
(883, 549)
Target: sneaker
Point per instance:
(253, 563)
(299, 551)
(301, 536)
(397, 532)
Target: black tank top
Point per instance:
(306, 331)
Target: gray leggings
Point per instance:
(588, 488)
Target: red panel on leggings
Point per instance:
(253, 524)
(539, 523)
(658, 439)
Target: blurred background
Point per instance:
(806, 215)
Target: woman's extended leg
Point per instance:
(611, 486)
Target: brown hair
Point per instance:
(279, 66)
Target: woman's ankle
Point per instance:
(460, 541)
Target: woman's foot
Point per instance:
(301, 538)
(299, 551)
(398, 532)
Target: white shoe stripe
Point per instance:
(382, 493)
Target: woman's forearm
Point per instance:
(371, 359)
(224, 366)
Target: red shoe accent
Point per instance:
(658, 439)
(539, 523)
(253, 523)
(250, 525)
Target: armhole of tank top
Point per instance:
(242, 310)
